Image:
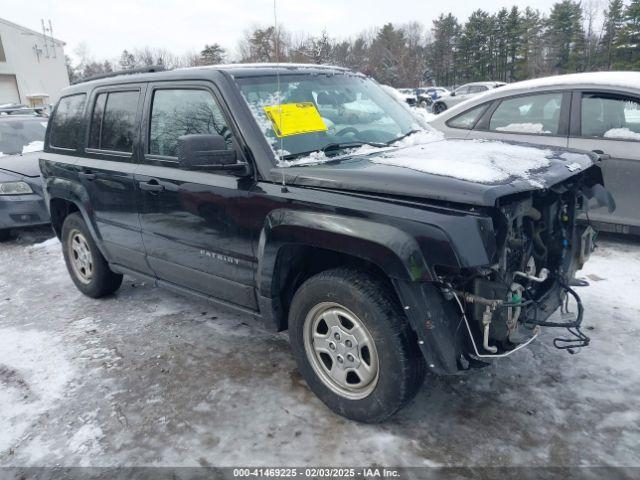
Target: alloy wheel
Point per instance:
(341, 350)
(81, 257)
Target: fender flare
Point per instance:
(395, 251)
(57, 188)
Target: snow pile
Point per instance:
(471, 160)
(35, 146)
(622, 133)
(86, 439)
(482, 161)
(423, 114)
(617, 79)
(523, 128)
(33, 375)
(421, 137)
(313, 158)
(576, 157)
(50, 244)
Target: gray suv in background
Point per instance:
(597, 111)
(463, 93)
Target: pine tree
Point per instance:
(212, 54)
(387, 53)
(565, 37)
(443, 49)
(613, 21)
(475, 45)
(628, 49)
(530, 62)
(127, 60)
(500, 56)
(514, 41)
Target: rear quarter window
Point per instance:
(113, 121)
(67, 122)
(468, 119)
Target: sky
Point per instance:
(109, 26)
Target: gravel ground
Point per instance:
(150, 378)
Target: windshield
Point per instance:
(21, 136)
(325, 112)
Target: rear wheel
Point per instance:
(353, 345)
(88, 268)
(439, 108)
(5, 235)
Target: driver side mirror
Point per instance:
(453, 94)
(207, 152)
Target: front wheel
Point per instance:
(353, 345)
(5, 235)
(89, 270)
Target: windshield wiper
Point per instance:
(355, 144)
(333, 147)
(410, 132)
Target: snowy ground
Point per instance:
(150, 378)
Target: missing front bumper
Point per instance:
(535, 314)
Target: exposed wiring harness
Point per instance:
(578, 339)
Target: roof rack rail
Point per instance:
(132, 71)
(21, 110)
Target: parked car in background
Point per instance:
(403, 98)
(385, 249)
(598, 111)
(463, 93)
(409, 95)
(21, 202)
(427, 95)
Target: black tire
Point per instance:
(401, 367)
(439, 108)
(5, 235)
(101, 281)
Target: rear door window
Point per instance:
(113, 121)
(477, 88)
(534, 114)
(177, 112)
(67, 122)
(610, 116)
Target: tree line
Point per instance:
(508, 45)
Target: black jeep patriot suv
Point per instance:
(309, 197)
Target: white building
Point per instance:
(32, 66)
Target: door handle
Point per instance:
(87, 176)
(601, 155)
(151, 186)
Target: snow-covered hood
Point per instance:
(475, 172)
(26, 164)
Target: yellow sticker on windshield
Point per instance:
(295, 119)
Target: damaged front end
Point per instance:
(540, 246)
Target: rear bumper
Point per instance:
(18, 211)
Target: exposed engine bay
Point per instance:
(540, 246)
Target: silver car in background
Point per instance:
(463, 93)
(597, 111)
